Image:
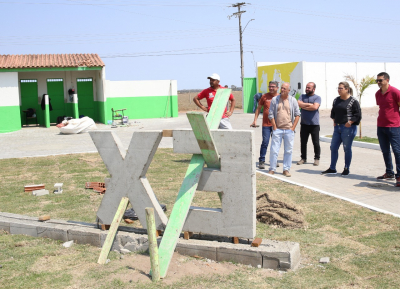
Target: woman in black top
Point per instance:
(346, 115)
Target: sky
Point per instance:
(189, 40)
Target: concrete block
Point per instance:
(131, 246)
(116, 243)
(193, 247)
(85, 236)
(239, 255)
(236, 180)
(18, 217)
(271, 263)
(39, 193)
(23, 227)
(287, 253)
(53, 231)
(126, 237)
(128, 170)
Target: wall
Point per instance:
(282, 72)
(142, 99)
(10, 119)
(327, 75)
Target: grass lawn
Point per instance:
(363, 245)
(364, 139)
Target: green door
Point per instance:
(29, 97)
(85, 97)
(55, 90)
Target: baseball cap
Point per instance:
(214, 76)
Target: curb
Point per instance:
(360, 144)
(270, 254)
(372, 208)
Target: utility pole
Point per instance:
(238, 15)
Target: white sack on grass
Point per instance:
(79, 125)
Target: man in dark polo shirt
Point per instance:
(388, 100)
(265, 102)
(309, 125)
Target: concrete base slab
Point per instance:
(270, 254)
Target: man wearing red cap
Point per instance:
(209, 94)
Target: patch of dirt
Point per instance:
(179, 268)
(281, 214)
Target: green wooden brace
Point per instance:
(189, 185)
(113, 230)
(204, 139)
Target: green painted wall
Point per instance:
(10, 119)
(143, 107)
(100, 108)
(249, 90)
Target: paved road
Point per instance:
(360, 186)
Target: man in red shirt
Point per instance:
(388, 100)
(209, 94)
(265, 102)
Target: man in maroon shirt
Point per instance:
(265, 102)
(388, 100)
(209, 94)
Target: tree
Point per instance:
(360, 87)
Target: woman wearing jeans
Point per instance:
(346, 115)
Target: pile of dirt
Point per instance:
(281, 214)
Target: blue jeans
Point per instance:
(345, 135)
(266, 133)
(390, 136)
(288, 138)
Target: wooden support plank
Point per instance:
(30, 188)
(256, 242)
(105, 227)
(153, 249)
(113, 230)
(167, 133)
(204, 138)
(188, 188)
(44, 218)
(187, 235)
(235, 240)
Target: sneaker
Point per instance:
(286, 174)
(261, 165)
(329, 172)
(301, 162)
(271, 172)
(385, 176)
(345, 172)
(316, 163)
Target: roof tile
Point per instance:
(50, 60)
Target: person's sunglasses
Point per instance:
(378, 80)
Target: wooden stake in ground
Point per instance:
(113, 230)
(151, 232)
(188, 188)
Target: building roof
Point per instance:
(50, 60)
